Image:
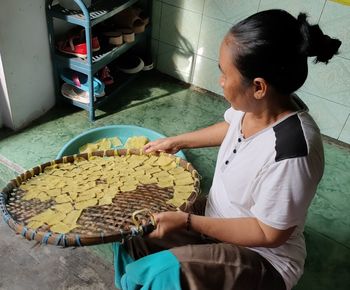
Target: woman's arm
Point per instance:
(206, 137)
(249, 232)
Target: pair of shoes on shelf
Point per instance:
(132, 64)
(75, 94)
(105, 76)
(133, 18)
(125, 25)
(75, 44)
(119, 36)
(76, 87)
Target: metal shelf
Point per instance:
(100, 11)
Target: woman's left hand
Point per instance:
(167, 222)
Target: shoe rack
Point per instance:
(87, 18)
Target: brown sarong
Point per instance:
(207, 264)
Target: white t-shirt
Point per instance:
(272, 176)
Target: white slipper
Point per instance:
(75, 94)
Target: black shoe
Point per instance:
(130, 64)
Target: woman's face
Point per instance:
(236, 92)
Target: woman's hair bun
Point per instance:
(315, 43)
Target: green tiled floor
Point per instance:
(164, 105)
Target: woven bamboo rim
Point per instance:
(107, 223)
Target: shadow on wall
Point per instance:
(176, 55)
(187, 54)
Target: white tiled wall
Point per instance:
(187, 35)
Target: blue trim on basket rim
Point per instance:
(33, 234)
(58, 239)
(5, 213)
(24, 231)
(77, 240)
(46, 237)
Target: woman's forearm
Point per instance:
(207, 137)
(249, 232)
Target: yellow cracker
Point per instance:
(62, 228)
(88, 148)
(147, 180)
(169, 166)
(128, 187)
(85, 196)
(138, 173)
(176, 201)
(164, 160)
(30, 195)
(184, 181)
(104, 144)
(86, 203)
(143, 167)
(73, 195)
(153, 170)
(165, 183)
(151, 160)
(116, 141)
(182, 175)
(165, 179)
(137, 158)
(161, 174)
(64, 207)
(55, 218)
(136, 142)
(105, 200)
(184, 188)
(72, 217)
(63, 198)
(35, 224)
(42, 196)
(43, 216)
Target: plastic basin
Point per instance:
(123, 132)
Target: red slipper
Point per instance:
(75, 46)
(105, 76)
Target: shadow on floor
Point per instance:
(128, 97)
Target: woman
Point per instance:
(250, 235)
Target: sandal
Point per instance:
(74, 45)
(105, 76)
(129, 18)
(120, 35)
(80, 81)
(75, 94)
(114, 37)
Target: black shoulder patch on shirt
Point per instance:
(290, 139)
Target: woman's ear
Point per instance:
(260, 88)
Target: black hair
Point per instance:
(274, 45)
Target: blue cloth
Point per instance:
(158, 271)
(121, 260)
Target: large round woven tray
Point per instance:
(99, 223)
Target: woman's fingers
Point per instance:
(152, 146)
(162, 145)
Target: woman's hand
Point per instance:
(169, 145)
(206, 137)
(167, 222)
